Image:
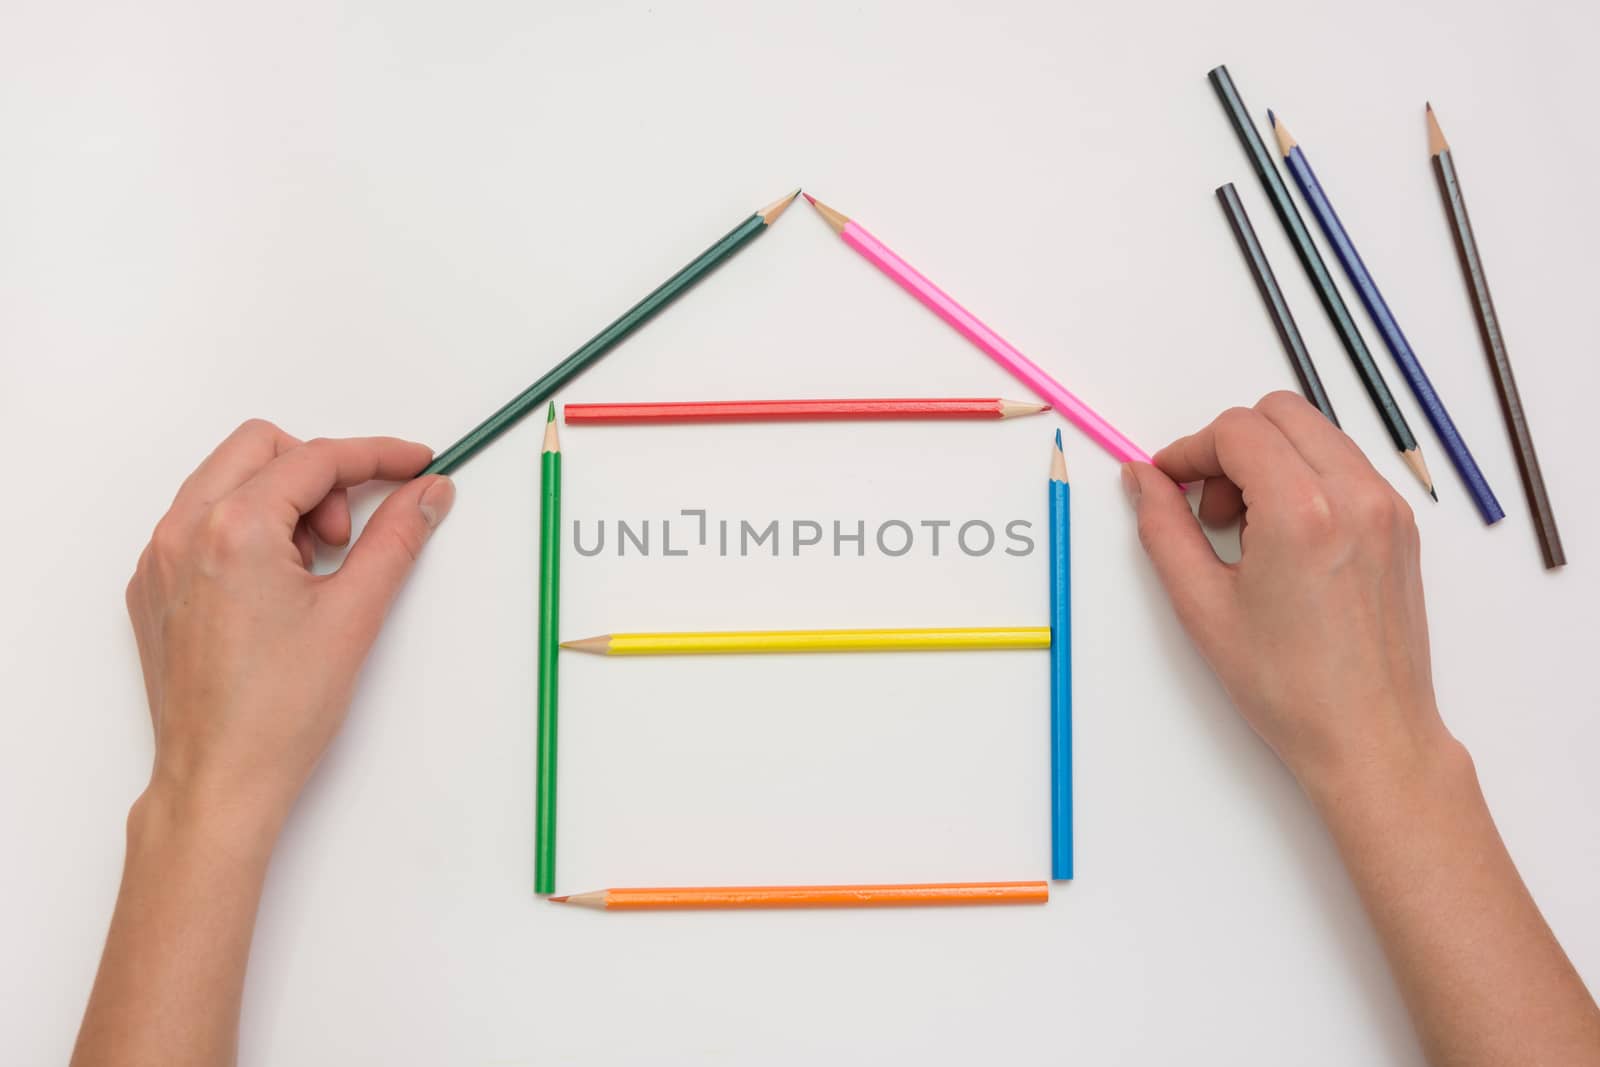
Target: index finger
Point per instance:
(1240, 445)
(298, 480)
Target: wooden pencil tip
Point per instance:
(1058, 461)
(1437, 145)
(556, 900)
(1413, 459)
(770, 213)
(809, 198)
(597, 646)
(1010, 409)
(1286, 140)
(552, 439)
(835, 220)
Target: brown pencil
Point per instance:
(702, 898)
(1494, 345)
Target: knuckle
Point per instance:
(1237, 423)
(1310, 516)
(229, 527)
(1375, 510)
(166, 541)
(1279, 401)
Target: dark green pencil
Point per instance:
(608, 338)
(544, 861)
(1321, 279)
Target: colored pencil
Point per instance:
(1060, 665)
(608, 338)
(799, 410)
(702, 898)
(1255, 257)
(754, 641)
(1378, 308)
(544, 864)
(1321, 278)
(987, 341)
(1494, 345)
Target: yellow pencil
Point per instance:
(695, 644)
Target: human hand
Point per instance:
(250, 659)
(1318, 633)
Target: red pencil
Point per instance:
(800, 410)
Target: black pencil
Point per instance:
(1255, 257)
(1321, 279)
(1494, 345)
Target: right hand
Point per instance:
(249, 658)
(1318, 633)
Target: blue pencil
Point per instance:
(1060, 666)
(1361, 278)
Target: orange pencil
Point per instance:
(700, 898)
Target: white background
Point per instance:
(388, 218)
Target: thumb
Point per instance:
(391, 542)
(1196, 581)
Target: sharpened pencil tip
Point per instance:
(810, 199)
(552, 416)
(1272, 120)
(770, 213)
(1058, 441)
(1433, 494)
(556, 900)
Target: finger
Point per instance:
(389, 545)
(295, 482)
(1198, 583)
(304, 544)
(1324, 447)
(1240, 445)
(1220, 502)
(242, 453)
(330, 519)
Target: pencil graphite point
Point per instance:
(1058, 440)
(556, 900)
(810, 199)
(1272, 120)
(552, 416)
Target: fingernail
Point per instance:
(1130, 485)
(436, 500)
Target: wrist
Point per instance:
(167, 816)
(1376, 786)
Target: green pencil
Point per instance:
(608, 338)
(544, 863)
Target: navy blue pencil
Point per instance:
(1060, 666)
(1410, 366)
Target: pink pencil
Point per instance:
(993, 345)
